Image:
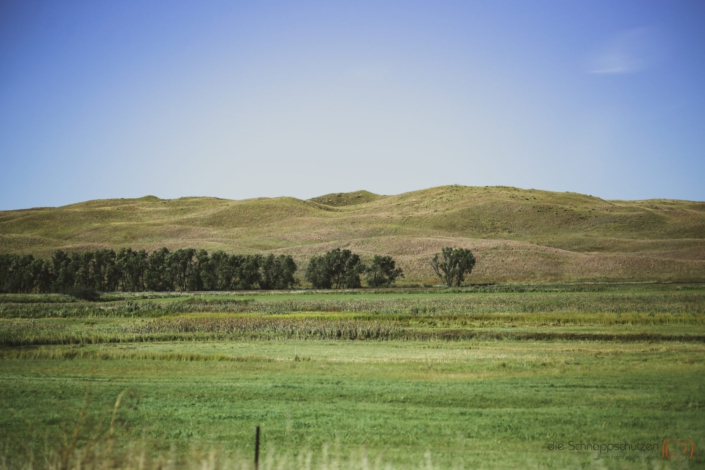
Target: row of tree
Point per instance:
(130, 270)
(195, 270)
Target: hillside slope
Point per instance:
(517, 234)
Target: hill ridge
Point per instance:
(587, 238)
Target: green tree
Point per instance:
(200, 265)
(248, 273)
(83, 273)
(157, 277)
(383, 272)
(181, 264)
(318, 273)
(207, 273)
(41, 275)
(225, 269)
(61, 267)
(5, 263)
(335, 269)
(20, 275)
(277, 272)
(132, 266)
(452, 264)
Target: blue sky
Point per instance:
(250, 99)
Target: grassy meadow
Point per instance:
(481, 377)
(516, 235)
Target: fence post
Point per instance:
(257, 448)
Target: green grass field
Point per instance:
(467, 378)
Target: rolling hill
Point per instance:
(516, 234)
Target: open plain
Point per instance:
(478, 377)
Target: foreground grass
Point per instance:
(381, 380)
(483, 404)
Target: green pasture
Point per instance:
(482, 404)
(461, 386)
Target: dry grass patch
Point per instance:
(518, 234)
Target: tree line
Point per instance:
(130, 270)
(189, 269)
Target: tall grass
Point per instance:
(645, 302)
(79, 353)
(21, 333)
(139, 456)
(281, 327)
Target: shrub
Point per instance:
(84, 293)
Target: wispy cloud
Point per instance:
(630, 51)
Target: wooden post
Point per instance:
(257, 448)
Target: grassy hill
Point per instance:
(516, 234)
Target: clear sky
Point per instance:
(236, 99)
